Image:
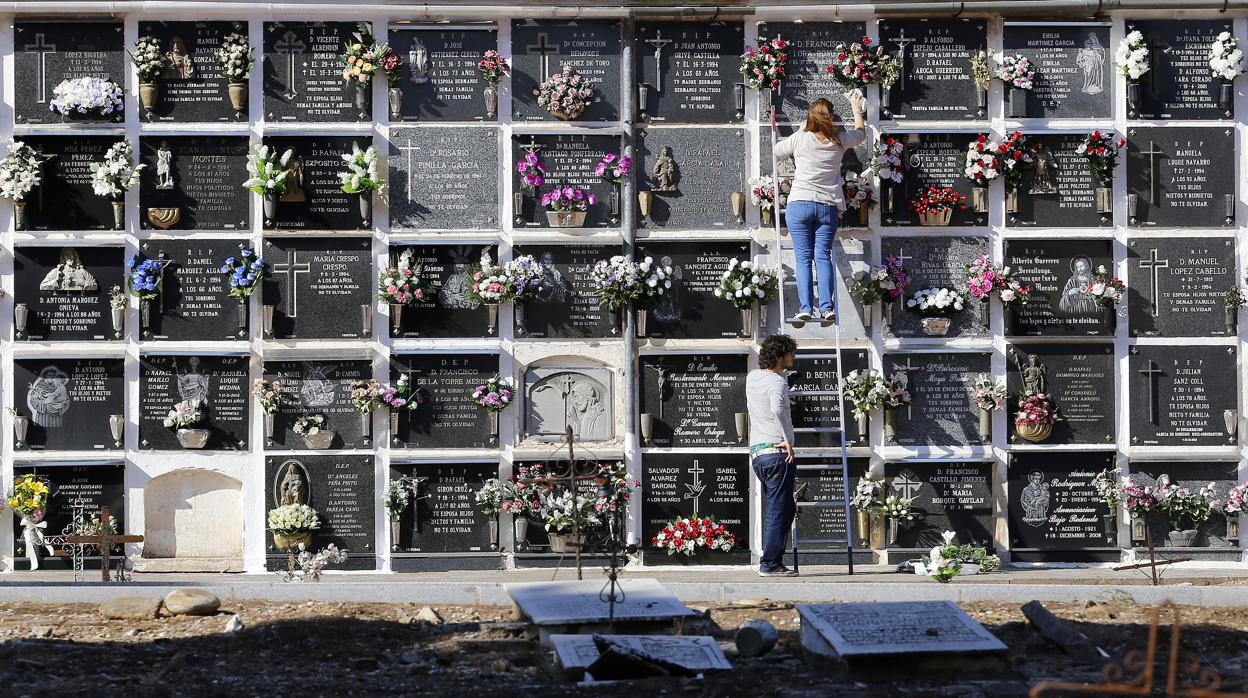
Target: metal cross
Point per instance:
(544, 51)
(407, 151)
(906, 371)
(696, 487)
(418, 484)
(1156, 47)
(290, 45)
(662, 384)
(41, 48)
(1154, 197)
(1153, 265)
(105, 539)
(901, 256)
(902, 42)
(1150, 374)
(658, 42)
(532, 145)
(291, 269)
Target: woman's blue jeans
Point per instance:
(813, 227)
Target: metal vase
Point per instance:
(119, 215)
(641, 322)
(890, 425)
(893, 527)
(396, 528)
(238, 97)
(119, 322)
(1109, 316)
(19, 215)
(979, 199)
(242, 317)
(361, 99)
(21, 426)
(985, 425)
(1018, 103)
(737, 201)
(117, 428)
(1133, 98)
(647, 428)
(1226, 97)
(266, 316)
(1230, 421)
(747, 322)
(518, 314)
(366, 319)
(981, 101)
(1230, 317)
(493, 533)
(366, 208)
(21, 314)
(862, 528)
(491, 310)
(270, 207)
(864, 427)
(645, 200)
(520, 529)
(270, 425)
(491, 101)
(494, 425)
(394, 427)
(396, 319)
(395, 96)
(366, 425)
(741, 420)
(1012, 201)
(145, 317)
(614, 201)
(867, 312)
(1104, 200)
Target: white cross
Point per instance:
(695, 489)
(291, 269)
(906, 486)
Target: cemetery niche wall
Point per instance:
(1148, 382)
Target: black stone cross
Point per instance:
(1154, 197)
(291, 270)
(658, 42)
(290, 45)
(544, 50)
(902, 42)
(1153, 265)
(1150, 374)
(41, 48)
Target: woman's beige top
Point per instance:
(818, 176)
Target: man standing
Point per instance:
(771, 450)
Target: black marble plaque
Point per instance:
(853, 160)
(314, 199)
(688, 72)
(1074, 67)
(319, 387)
(1175, 286)
(567, 305)
(65, 291)
(96, 484)
(1180, 395)
(1059, 272)
(320, 288)
(569, 161)
(1053, 510)
(935, 262)
(443, 178)
(812, 49)
(439, 77)
(447, 417)
(1181, 177)
(1179, 84)
(689, 484)
(303, 73)
(540, 48)
(65, 200)
(220, 384)
(693, 311)
(694, 399)
(1212, 536)
(194, 301)
(935, 82)
(821, 524)
(449, 310)
(201, 95)
(45, 53)
(202, 184)
(709, 165)
(952, 496)
(1058, 191)
(941, 411)
(1079, 378)
(815, 398)
(71, 403)
(341, 488)
(445, 517)
(931, 160)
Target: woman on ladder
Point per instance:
(817, 199)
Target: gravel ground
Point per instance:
(312, 649)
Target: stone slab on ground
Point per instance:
(134, 608)
(924, 634)
(698, 653)
(571, 603)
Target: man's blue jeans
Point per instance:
(813, 227)
(776, 477)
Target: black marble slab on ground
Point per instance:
(709, 166)
(1175, 286)
(314, 199)
(447, 417)
(319, 387)
(95, 485)
(1182, 395)
(688, 484)
(1073, 64)
(71, 404)
(1053, 511)
(941, 412)
(952, 496)
(219, 384)
(693, 310)
(688, 72)
(45, 53)
(935, 82)
(935, 262)
(194, 301)
(64, 292)
(443, 178)
(321, 287)
(64, 200)
(341, 488)
(201, 184)
(694, 399)
(303, 73)
(1181, 176)
(931, 159)
(439, 77)
(815, 397)
(444, 517)
(540, 48)
(1179, 84)
(1079, 379)
(1058, 272)
(449, 310)
(566, 306)
(193, 89)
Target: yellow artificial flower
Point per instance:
(356, 47)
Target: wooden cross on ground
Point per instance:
(105, 539)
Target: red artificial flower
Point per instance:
(866, 41)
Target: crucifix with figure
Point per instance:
(105, 539)
(902, 41)
(905, 371)
(291, 269)
(290, 45)
(1150, 374)
(658, 42)
(1154, 196)
(544, 49)
(41, 48)
(1154, 265)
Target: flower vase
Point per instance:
(493, 425)
(979, 199)
(366, 208)
(266, 319)
(765, 214)
(940, 217)
(1133, 97)
(117, 428)
(319, 441)
(149, 93)
(19, 215)
(291, 541)
(145, 317)
(1109, 317)
(33, 538)
(890, 424)
(566, 219)
(270, 207)
(491, 101)
(864, 427)
(1012, 200)
(1185, 538)
(1035, 433)
(862, 528)
(747, 322)
(238, 97)
(1104, 200)
(1111, 525)
(396, 319)
(21, 425)
(366, 426)
(493, 533)
(981, 101)
(562, 116)
(361, 98)
(1018, 103)
(936, 326)
(520, 532)
(270, 423)
(1226, 97)
(642, 314)
(491, 310)
(396, 529)
(119, 215)
(518, 317)
(395, 416)
(566, 542)
(894, 527)
(864, 215)
(193, 438)
(394, 96)
(985, 425)
(119, 322)
(1230, 318)
(242, 316)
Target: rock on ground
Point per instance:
(192, 602)
(130, 608)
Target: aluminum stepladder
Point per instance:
(843, 467)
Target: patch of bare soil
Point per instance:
(342, 649)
